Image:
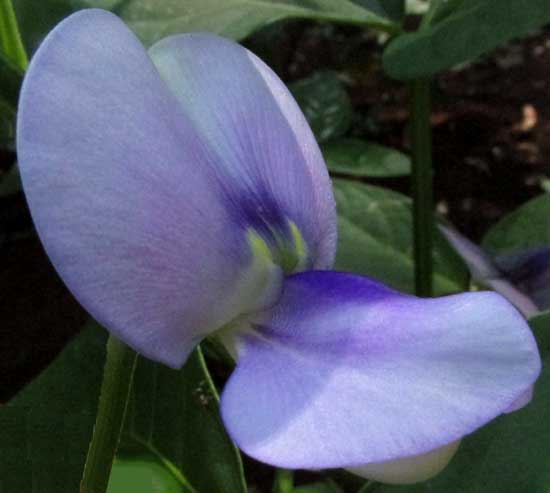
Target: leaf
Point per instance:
(10, 182)
(356, 157)
(375, 239)
(235, 18)
(526, 227)
(172, 419)
(142, 475)
(540, 324)
(393, 9)
(46, 428)
(174, 416)
(11, 78)
(325, 103)
(509, 455)
(471, 29)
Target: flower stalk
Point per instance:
(422, 186)
(284, 481)
(115, 390)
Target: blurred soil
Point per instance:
(491, 135)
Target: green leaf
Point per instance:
(375, 239)
(174, 415)
(10, 182)
(325, 103)
(509, 455)
(11, 78)
(46, 428)
(142, 475)
(540, 324)
(235, 18)
(172, 419)
(357, 157)
(526, 227)
(393, 9)
(464, 33)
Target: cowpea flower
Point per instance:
(180, 193)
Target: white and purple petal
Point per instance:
(344, 371)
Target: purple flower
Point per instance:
(180, 193)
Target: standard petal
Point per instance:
(344, 371)
(125, 195)
(268, 156)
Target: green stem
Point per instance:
(10, 38)
(422, 186)
(284, 481)
(117, 382)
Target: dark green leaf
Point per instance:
(46, 428)
(235, 18)
(471, 29)
(526, 227)
(393, 9)
(10, 81)
(375, 239)
(7, 125)
(356, 157)
(541, 325)
(174, 415)
(10, 182)
(511, 454)
(325, 103)
(142, 475)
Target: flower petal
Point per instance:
(344, 371)
(485, 270)
(125, 194)
(267, 153)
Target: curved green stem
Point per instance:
(10, 38)
(422, 186)
(284, 481)
(117, 382)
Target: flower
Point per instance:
(179, 192)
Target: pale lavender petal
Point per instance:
(522, 400)
(125, 194)
(268, 156)
(344, 371)
(485, 271)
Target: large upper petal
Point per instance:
(137, 209)
(344, 372)
(267, 153)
